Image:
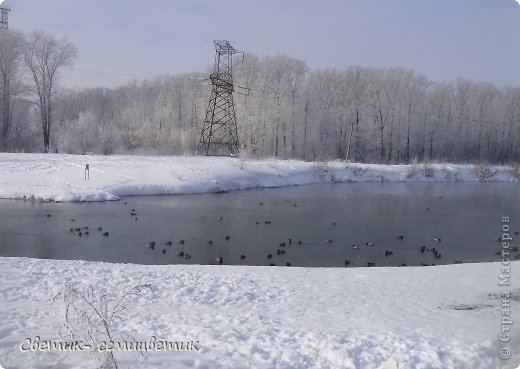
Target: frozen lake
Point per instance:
(328, 219)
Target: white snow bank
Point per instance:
(443, 317)
(61, 177)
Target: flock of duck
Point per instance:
(388, 253)
(85, 231)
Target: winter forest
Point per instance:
(289, 111)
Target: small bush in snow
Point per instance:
(413, 167)
(358, 171)
(91, 317)
(426, 169)
(514, 171)
(333, 174)
(106, 137)
(483, 172)
(448, 174)
(322, 170)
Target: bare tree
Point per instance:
(327, 84)
(356, 77)
(379, 106)
(416, 85)
(45, 56)
(11, 43)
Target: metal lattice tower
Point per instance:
(4, 18)
(220, 135)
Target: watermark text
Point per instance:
(152, 344)
(504, 281)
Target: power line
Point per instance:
(277, 52)
(104, 72)
(121, 67)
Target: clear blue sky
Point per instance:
(119, 40)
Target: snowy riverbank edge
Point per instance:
(248, 317)
(61, 177)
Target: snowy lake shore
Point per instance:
(61, 177)
(445, 317)
(437, 317)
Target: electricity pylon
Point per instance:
(219, 134)
(4, 17)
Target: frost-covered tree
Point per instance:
(11, 46)
(45, 56)
(286, 110)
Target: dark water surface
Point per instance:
(465, 216)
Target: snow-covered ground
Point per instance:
(266, 317)
(61, 177)
(445, 317)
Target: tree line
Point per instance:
(361, 114)
(29, 69)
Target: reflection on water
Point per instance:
(328, 219)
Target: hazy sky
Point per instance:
(119, 40)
